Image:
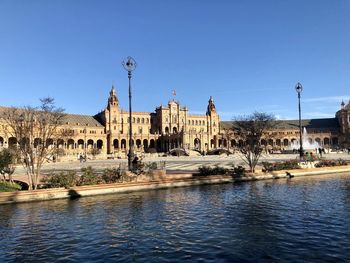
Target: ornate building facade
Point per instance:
(172, 126)
(167, 128)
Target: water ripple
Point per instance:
(306, 219)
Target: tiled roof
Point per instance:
(329, 123)
(80, 120)
(72, 119)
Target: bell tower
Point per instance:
(113, 118)
(113, 99)
(213, 123)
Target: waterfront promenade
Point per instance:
(171, 163)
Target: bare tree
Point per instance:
(228, 135)
(250, 129)
(36, 130)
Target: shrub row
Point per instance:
(88, 177)
(286, 165)
(217, 170)
(330, 163)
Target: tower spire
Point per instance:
(211, 106)
(113, 99)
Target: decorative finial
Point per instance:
(174, 94)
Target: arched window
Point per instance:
(138, 120)
(143, 120)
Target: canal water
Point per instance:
(300, 219)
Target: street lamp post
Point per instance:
(299, 89)
(129, 65)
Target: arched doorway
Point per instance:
(233, 143)
(80, 144)
(318, 140)
(151, 143)
(145, 144)
(212, 143)
(197, 144)
(123, 144)
(326, 141)
(278, 142)
(115, 143)
(138, 143)
(90, 144)
(37, 142)
(60, 143)
(70, 144)
(270, 142)
(49, 143)
(12, 142)
(99, 144)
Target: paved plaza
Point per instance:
(173, 163)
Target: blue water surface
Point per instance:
(297, 220)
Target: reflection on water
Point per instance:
(302, 219)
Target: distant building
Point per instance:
(172, 126)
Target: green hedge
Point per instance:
(62, 179)
(217, 170)
(286, 165)
(9, 187)
(88, 177)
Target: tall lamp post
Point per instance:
(129, 65)
(299, 89)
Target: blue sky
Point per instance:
(248, 55)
